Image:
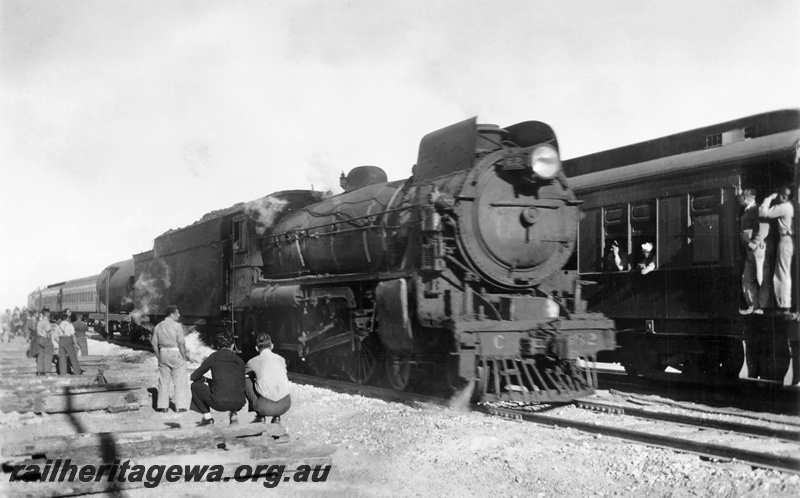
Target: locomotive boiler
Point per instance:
(457, 269)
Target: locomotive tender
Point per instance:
(457, 270)
(679, 193)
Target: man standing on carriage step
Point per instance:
(783, 212)
(169, 346)
(758, 260)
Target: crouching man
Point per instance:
(268, 388)
(225, 392)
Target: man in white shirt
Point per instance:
(169, 346)
(783, 212)
(268, 393)
(67, 343)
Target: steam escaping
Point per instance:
(147, 289)
(147, 292)
(461, 398)
(264, 211)
(196, 350)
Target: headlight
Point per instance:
(545, 162)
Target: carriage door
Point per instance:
(794, 327)
(241, 278)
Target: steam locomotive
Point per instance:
(456, 271)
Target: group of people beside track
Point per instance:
(61, 338)
(13, 324)
(262, 382)
(54, 342)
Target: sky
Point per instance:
(120, 120)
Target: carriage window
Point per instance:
(589, 250)
(714, 140)
(615, 231)
(704, 210)
(240, 235)
(643, 225)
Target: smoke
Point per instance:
(264, 211)
(461, 398)
(196, 350)
(197, 156)
(147, 288)
(147, 292)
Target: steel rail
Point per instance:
(755, 430)
(709, 450)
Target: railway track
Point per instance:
(679, 432)
(698, 435)
(745, 394)
(709, 438)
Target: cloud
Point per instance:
(125, 119)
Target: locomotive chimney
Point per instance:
(489, 137)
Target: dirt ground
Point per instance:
(394, 449)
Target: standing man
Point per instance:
(5, 323)
(269, 391)
(758, 261)
(80, 333)
(783, 212)
(44, 345)
(16, 324)
(170, 349)
(31, 326)
(23, 315)
(66, 347)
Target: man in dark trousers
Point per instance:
(44, 344)
(225, 392)
(269, 390)
(66, 347)
(32, 319)
(754, 232)
(80, 333)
